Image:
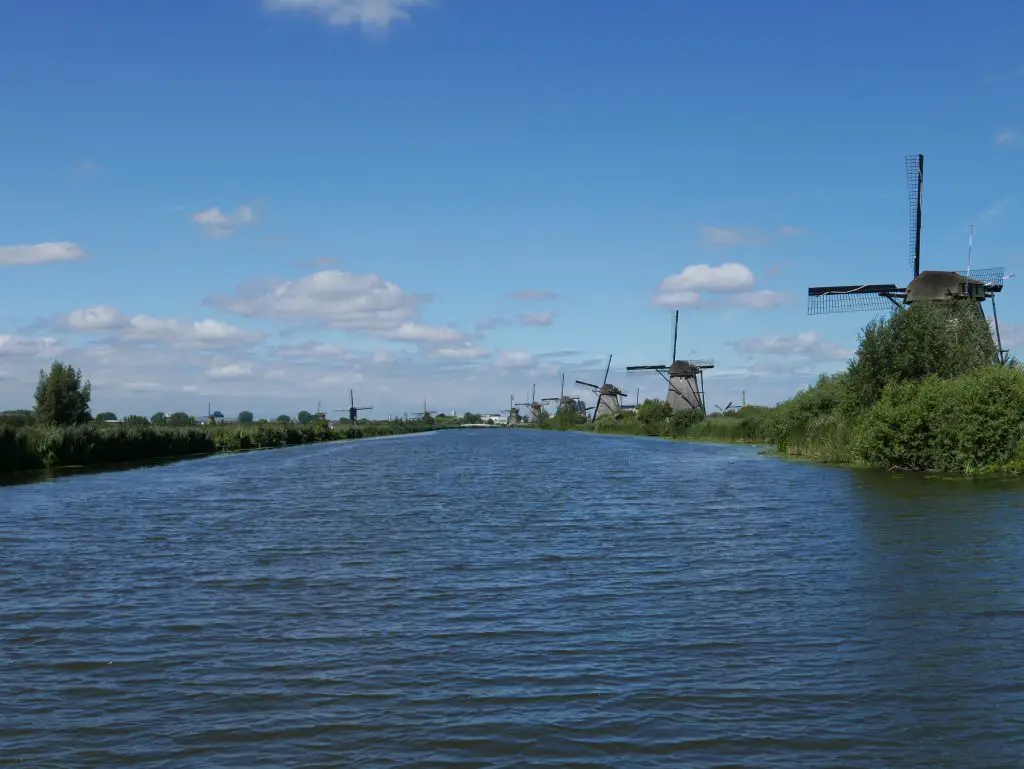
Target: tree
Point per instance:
(134, 419)
(469, 418)
(106, 416)
(245, 417)
(654, 412)
(305, 417)
(284, 419)
(62, 398)
(180, 419)
(159, 418)
(941, 338)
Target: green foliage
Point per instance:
(944, 339)
(245, 417)
(284, 419)
(159, 418)
(469, 418)
(971, 424)
(134, 419)
(653, 414)
(106, 416)
(305, 418)
(17, 418)
(62, 397)
(566, 418)
(180, 419)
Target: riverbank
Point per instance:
(27, 449)
(970, 425)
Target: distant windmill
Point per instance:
(934, 285)
(567, 402)
(424, 414)
(353, 410)
(685, 377)
(535, 406)
(512, 411)
(608, 395)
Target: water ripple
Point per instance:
(506, 599)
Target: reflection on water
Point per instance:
(511, 598)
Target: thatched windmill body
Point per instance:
(535, 406)
(512, 411)
(353, 409)
(609, 397)
(975, 285)
(685, 378)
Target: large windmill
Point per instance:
(685, 378)
(935, 285)
(567, 402)
(353, 409)
(424, 414)
(608, 395)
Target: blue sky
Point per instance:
(343, 193)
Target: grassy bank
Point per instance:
(926, 390)
(45, 447)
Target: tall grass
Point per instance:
(38, 447)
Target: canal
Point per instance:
(504, 598)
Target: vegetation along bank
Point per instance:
(61, 431)
(926, 390)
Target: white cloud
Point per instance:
(28, 347)
(1008, 138)
(218, 224)
(533, 295)
(683, 289)
(807, 344)
(100, 318)
(537, 319)
(230, 371)
(342, 300)
(514, 359)
(711, 235)
(40, 253)
(206, 334)
(761, 299)
(468, 352)
(369, 14)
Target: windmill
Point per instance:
(608, 395)
(424, 414)
(685, 378)
(536, 407)
(512, 411)
(353, 410)
(567, 402)
(935, 285)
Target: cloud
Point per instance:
(996, 210)
(28, 347)
(514, 359)
(537, 319)
(101, 318)
(711, 235)
(762, 299)
(493, 322)
(366, 304)
(371, 15)
(218, 224)
(807, 344)
(1008, 138)
(205, 334)
(683, 289)
(230, 371)
(468, 352)
(532, 295)
(40, 253)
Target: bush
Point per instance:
(971, 424)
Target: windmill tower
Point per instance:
(512, 411)
(608, 395)
(685, 378)
(975, 285)
(353, 409)
(566, 402)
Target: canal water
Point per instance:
(503, 598)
